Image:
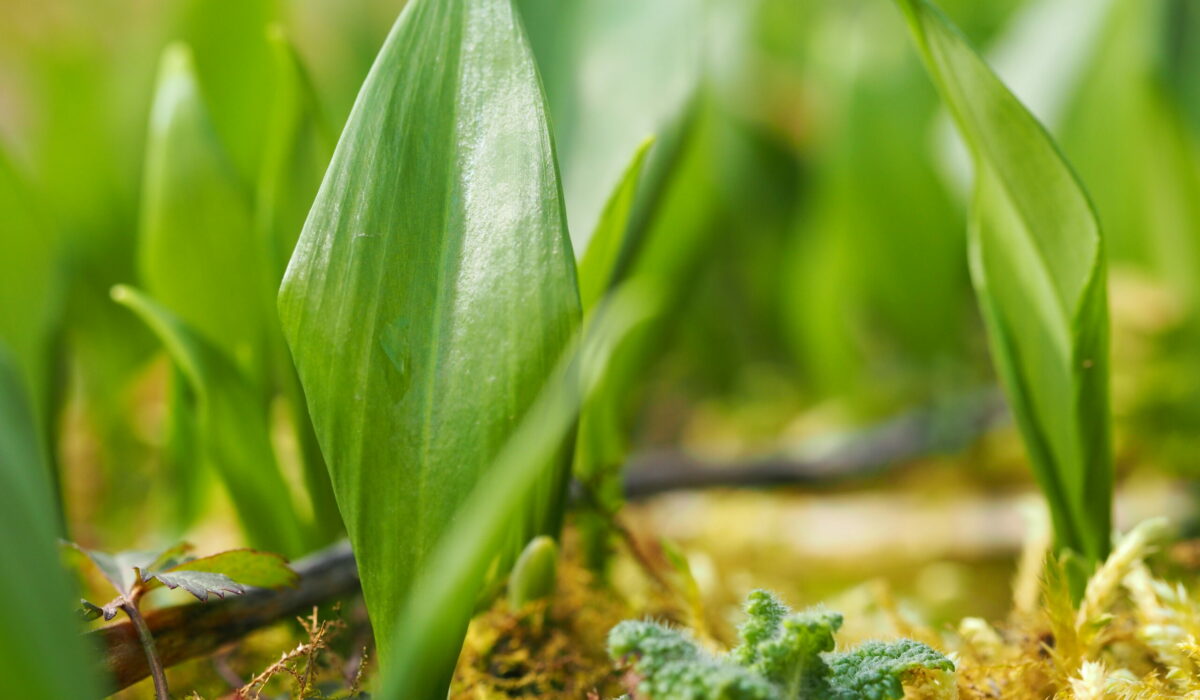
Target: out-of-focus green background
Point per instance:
(817, 258)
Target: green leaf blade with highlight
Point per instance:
(428, 638)
(1037, 261)
(433, 287)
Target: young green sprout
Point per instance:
(534, 575)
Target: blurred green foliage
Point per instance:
(800, 209)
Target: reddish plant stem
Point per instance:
(152, 660)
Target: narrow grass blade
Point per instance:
(433, 287)
(429, 634)
(42, 653)
(1037, 261)
(233, 433)
(599, 263)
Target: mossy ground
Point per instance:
(1133, 636)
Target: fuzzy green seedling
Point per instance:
(534, 575)
(782, 656)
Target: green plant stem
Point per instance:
(152, 660)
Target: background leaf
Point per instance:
(615, 71)
(197, 250)
(233, 431)
(295, 156)
(233, 61)
(433, 287)
(41, 650)
(1038, 266)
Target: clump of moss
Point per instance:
(1133, 635)
(782, 656)
(547, 648)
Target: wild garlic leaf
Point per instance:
(1037, 262)
(233, 431)
(428, 636)
(433, 287)
(42, 651)
(197, 252)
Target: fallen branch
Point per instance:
(827, 460)
(187, 631)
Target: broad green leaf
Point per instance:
(599, 263)
(42, 654)
(1037, 261)
(295, 156)
(433, 287)
(428, 636)
(197, 253)
(233, 434)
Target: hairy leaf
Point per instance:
(433, 287)
(877, 670)
(1037, 261)
(233, 431)
(42, 654)
(782, 656)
